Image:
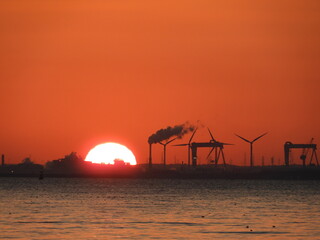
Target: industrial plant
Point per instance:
(219, 168)
(216, 165)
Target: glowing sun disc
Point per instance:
(108, 152)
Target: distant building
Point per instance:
(25, 168)
(70, 164)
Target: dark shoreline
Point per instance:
(185, 172)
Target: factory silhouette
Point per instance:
(73, 165)
(169, 134)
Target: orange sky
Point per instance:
(77, 73)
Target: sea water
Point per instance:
(88, 208)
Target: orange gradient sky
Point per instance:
(74, 74)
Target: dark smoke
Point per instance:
(166, 133)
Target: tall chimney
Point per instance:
(2, 160)
(150, 155)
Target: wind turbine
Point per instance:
(218, 145)
(165, 149)
(251, 143)
(189, 145)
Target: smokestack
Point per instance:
(2, 160)
(166, 133)
(150, 155)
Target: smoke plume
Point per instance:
(166, 133)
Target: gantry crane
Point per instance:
(213, 144)
(305, 149)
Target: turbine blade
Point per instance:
(243, 138)
(192, 135)
(183, 144)
(211, 135)
(259, 137)
(210, 152)
(171, 140)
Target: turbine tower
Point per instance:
(251, 143)
(165, 150)
(189, 145)
(218, 148)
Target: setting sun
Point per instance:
(107, 153)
